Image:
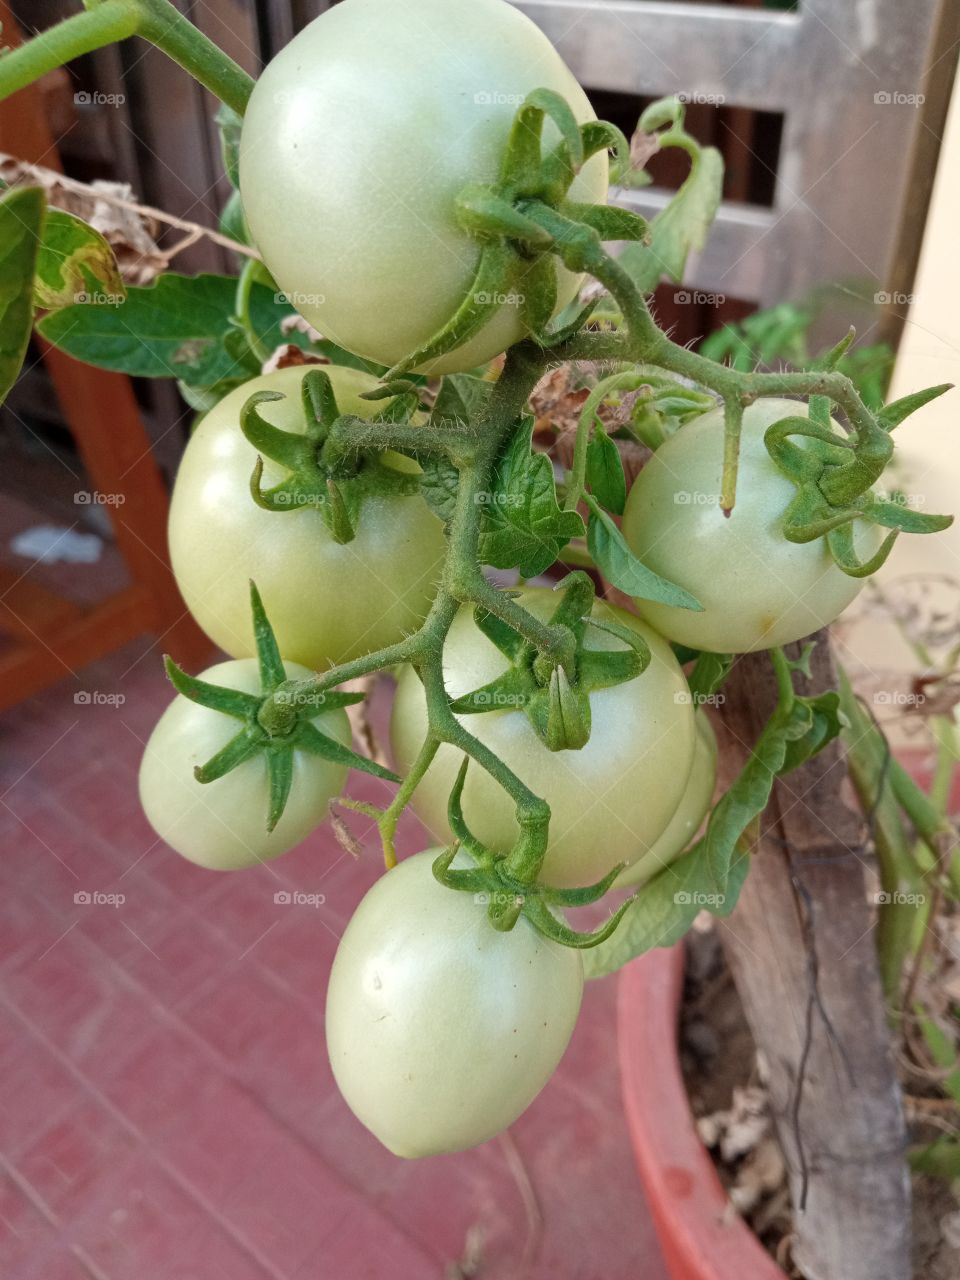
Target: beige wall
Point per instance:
(928, 444)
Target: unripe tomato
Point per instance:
(440, 1029)
(757, 589)
(327, 602)
(690, 813)
(610, 801)
(222, 825)
(358, 138)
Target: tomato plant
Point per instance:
(610, 800)
(758, 590)
(373, 256)
(420, 1075)
(220, 539)
(427, 183)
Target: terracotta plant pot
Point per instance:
(701, 1235)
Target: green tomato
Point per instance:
(610, 801)
(222, 825)
(691, 811)
(327, 602)
(358, 138)
(757, 589)
(441, 1030)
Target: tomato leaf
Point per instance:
(708, 674)
(605, 475)
(940, 1158)
(229, 124)
(75, 265)
(21, 225)
(664, 909)
(681, 226)
(524, 526)
(439, 482)
(621, 567)
(177, 327)
(461, 398)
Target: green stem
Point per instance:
(248, 276)
(625, 380)
(112, 20)
(389, 819)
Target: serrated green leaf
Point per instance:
(621, 567)
(178, 327)
(680, 227)
(524, 526)
(439, 482)
(461, 398)
(605, 477)
(21, 226)
(75, 265)
(664, 909)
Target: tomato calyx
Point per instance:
(553, 689)
(516, 261)
(834, 475)
(276, 723)
(326, 473)
(506, 884)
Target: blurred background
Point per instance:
(168, 1112)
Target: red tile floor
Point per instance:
(166, 1108)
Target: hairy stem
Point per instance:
(112, 20)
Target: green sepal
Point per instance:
(272, 671)
(547, 924)
(894, 515)
(844, 552)
(610, 221)
(465, 879)
(585, 895)
(492, 280)
(395, 387)
(554, 699)
(485, 215)
(511, 690)
(231, 702)
(890, 417)
(287, 448)
(809, 515)
(464, 836)
(339, 520)
(539, 284)
(242, 746)
(309, 738)
(280, 770)
(601, 135)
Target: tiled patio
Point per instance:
(167, 1108)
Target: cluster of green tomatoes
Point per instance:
(358, 138)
